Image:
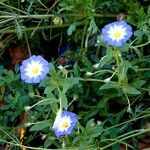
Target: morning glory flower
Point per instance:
(116, 33)
(64, 123)
(34, 69)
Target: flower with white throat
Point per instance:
(116, 33)
(64, 123)
(34, 69)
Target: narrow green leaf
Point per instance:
(131, 90)
(125, 47)
(49, 89)
(68, 83)
(71, 29)
(104, 60)
(109, 86)
(124, 66)
(93, 27)
(64, 101)
(139, 83)
(40, 126)
(97, 130)
(47, 142)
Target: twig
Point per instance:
(29, 50)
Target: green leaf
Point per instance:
(146, 74)
(49, 89)
(131, 90)
(68, 83)
(41, 125)
(47, 142)
(1, 69)
(138, 33)
(97, 130)
(86, 62)
(109, 86)
(48, 101)
(105, 59)
(54, 107)
(71, 28)
(93, 27)
(125, 47)
(90, 123)
(64, 100)
(124, 66)
(76, 70)
(139, 83)
(9, 73)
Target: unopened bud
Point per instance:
(60, 67)
(27, 108)
(107, 80)
(96, 66)
(43, 137)
(89, 74)
(99, 123)
(57, 21)
(28, 124)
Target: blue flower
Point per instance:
(64, 123)
(34, 69)
(116, 33)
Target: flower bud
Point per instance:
(57, 21)
(107, 80)
(27, 108)
(96, 66)
(89, 74)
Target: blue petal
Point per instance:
(129, 33)
(39, 58)
(25, 62)
(23, 76)
(118, 43)
(107, 27)
(42, 76)
(28, 80)
(126, 38)
(36, 80)
(69, 114)
(106, 38)
(22, 69)
(32, 58)
(114, 23)
(128, 28)
(58, 133)
(104, 32)
(122, 23)
(111, 42)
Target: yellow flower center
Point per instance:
(65, 124)
(117, 35)
(36, 70)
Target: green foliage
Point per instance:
(107, 87)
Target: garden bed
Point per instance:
(74, 74)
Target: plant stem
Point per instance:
(129, 106)
(93, 80)
(134, 119)
(49, 15)
(32, 28)
(141, 45)
(117, 56)
(8, 135)
(12, 8)
(127, 137)
(29, 50)
(45, 100)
